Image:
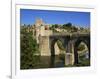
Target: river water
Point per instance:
(58, 61)
(51, 62)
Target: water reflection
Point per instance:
(57, 61)
(52, 61)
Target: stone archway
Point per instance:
(53, 44)
(77, 43)
(55, 56)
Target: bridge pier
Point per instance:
(69, 59)
(69, 56)
(44, 46)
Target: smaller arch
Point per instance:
(76, 45)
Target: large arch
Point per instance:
(53, 44)
(52, 47)
(77, 43)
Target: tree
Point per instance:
(67, 26)
(56, 26)
(29, 48)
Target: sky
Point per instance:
(29, 16)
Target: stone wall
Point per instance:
(44, 46)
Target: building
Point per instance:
(41, 29)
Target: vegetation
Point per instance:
(83, 61)
(68, 27)
(81, 47)
(29, 48)
(60, 45)
(30, 54)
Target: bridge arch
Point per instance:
(54, 55)
(76, 45)
(53, 42)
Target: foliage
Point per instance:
(60, 45)
(55, 26)
(29, 48)
(81, 47)
(67, 26)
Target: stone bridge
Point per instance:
(70, 43)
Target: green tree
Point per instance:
(67, 26)
(29, 48)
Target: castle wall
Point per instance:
(48, 32)
(42, 37)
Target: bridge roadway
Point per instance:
(76, 34)
(71, 34)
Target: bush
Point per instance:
(29, 48)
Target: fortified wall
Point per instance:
(42, 32)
